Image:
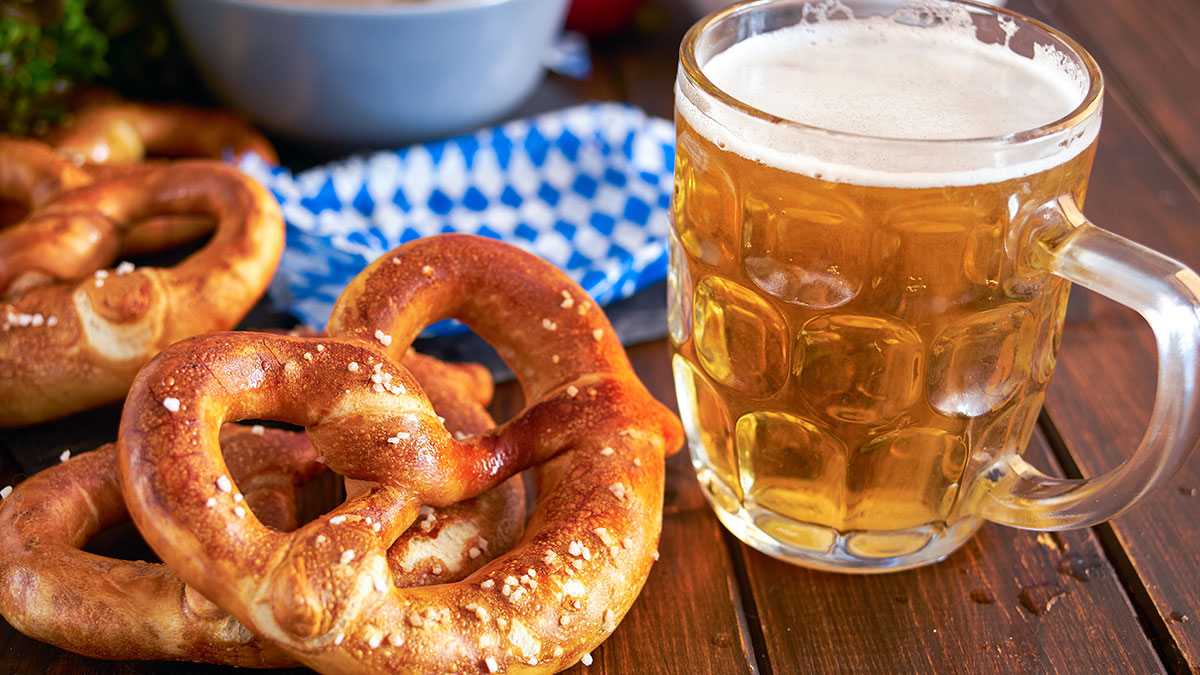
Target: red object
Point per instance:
(600, 17)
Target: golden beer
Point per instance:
(855, 346)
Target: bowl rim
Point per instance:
(364, 8)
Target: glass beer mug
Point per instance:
(876, 225)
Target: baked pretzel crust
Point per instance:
(117, 609)
(127, 131)
(324, 593)
(73, 334)
(31, 174)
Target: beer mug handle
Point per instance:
(1167, 295)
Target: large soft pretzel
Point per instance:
(31, 174)
(121, 609)
(125, 131)
(106, 608)
(73, 334)
(323, 593)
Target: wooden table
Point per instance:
(1123, 597)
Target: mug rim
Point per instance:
(1084, 111)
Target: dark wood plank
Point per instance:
(1008, 601)
(1100, 397)
(688, 618)
(1149, 54)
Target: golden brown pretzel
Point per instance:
(323, 593)
(119, 609)
(52, 591)
(450, 543)
(31, 174)
(126, 131)
(77, 343)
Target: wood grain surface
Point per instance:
(1119, 598)
(1143, 187)
(1008, 601)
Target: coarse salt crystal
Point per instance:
(171, 403)
(223, 484)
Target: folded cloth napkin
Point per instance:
(587, 188)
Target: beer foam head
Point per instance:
(884, 78)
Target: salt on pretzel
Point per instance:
(52, 591)
(120, 609)
(448, 544)
(324, 593)
(31, 174)
(126, 131)
(73, 334)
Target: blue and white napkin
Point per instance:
(586, 188)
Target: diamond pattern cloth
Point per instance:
(587, 188)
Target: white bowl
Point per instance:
(370, 75)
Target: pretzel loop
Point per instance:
(32, 174)
(74, 334)
(324, 593)
(123, 131)
(53, 591)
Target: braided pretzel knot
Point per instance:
(55, 592)
(323, 593)
(123, 131)
(67, 345)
